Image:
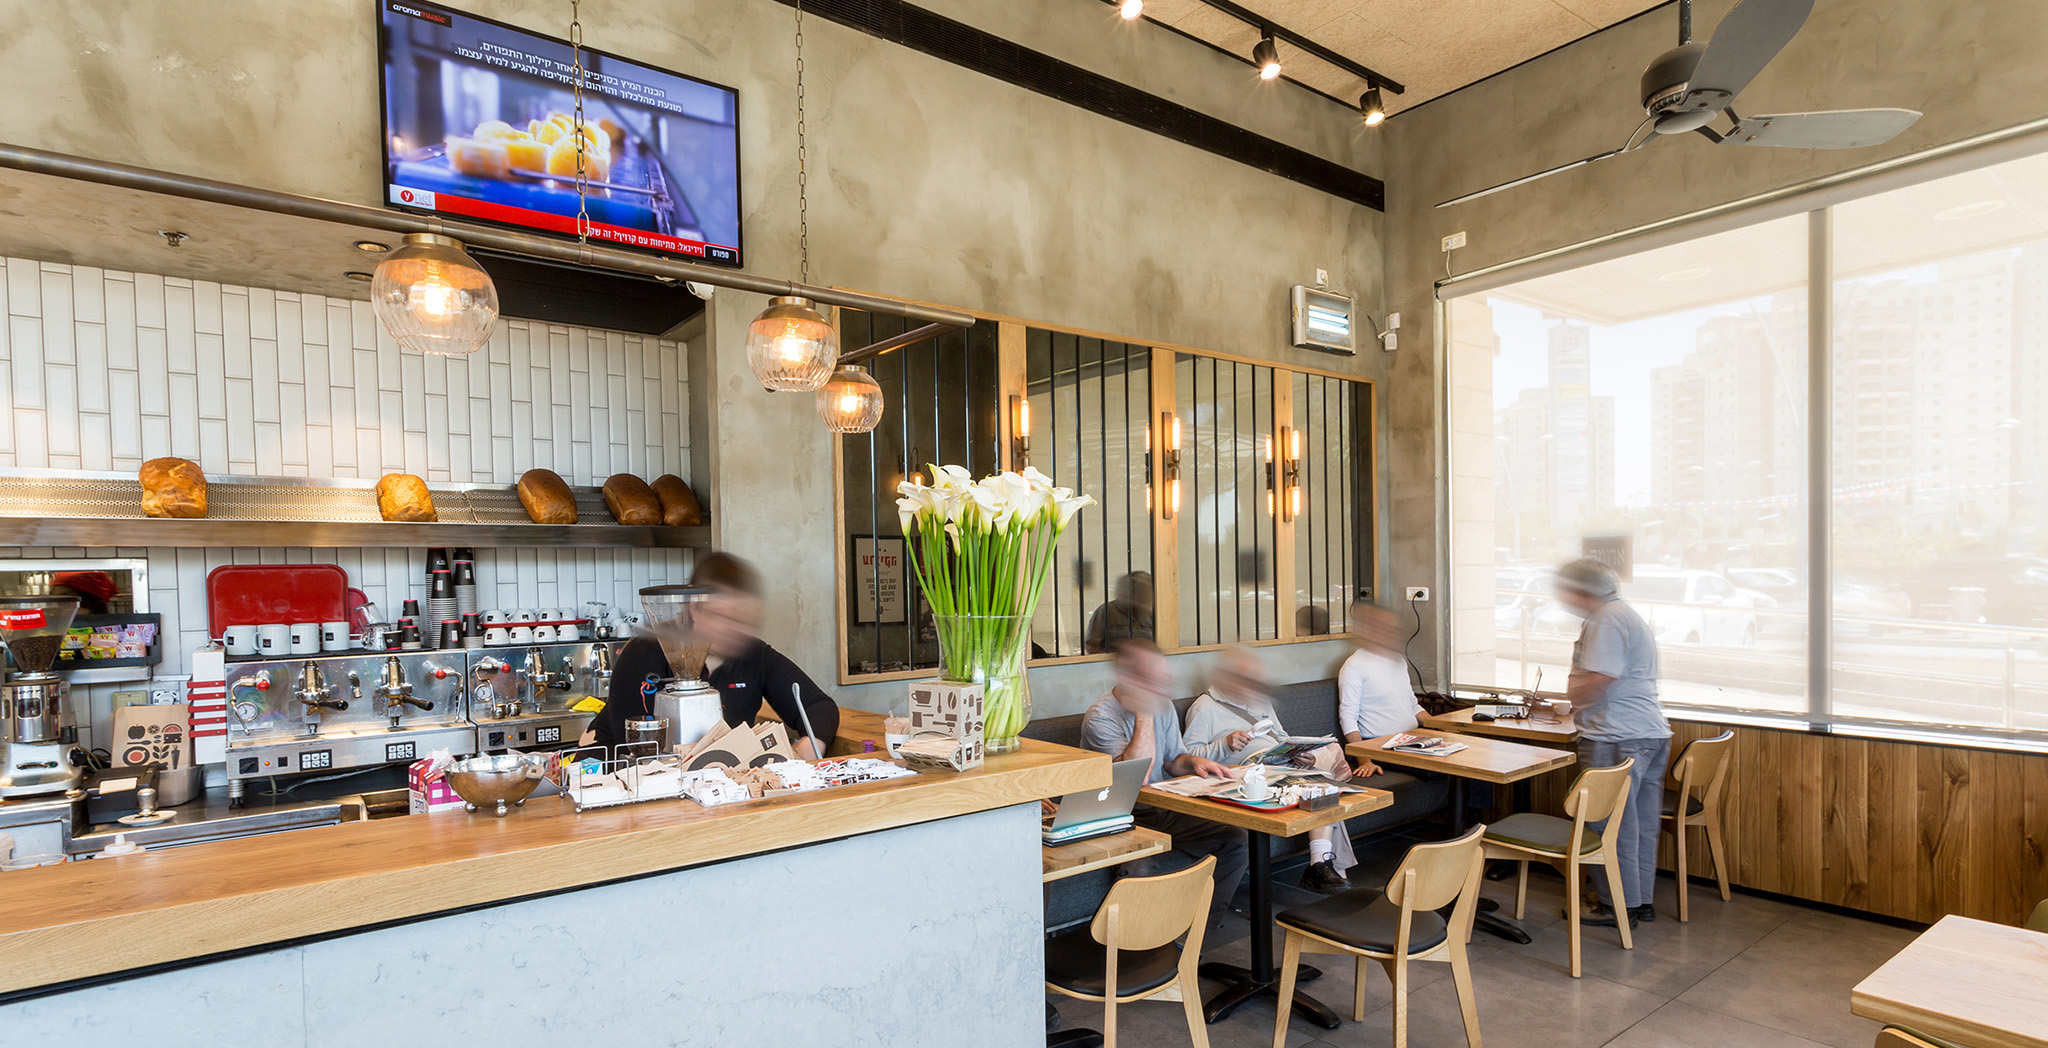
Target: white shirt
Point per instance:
(1373, 696)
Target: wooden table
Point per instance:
(1531, 729)
(1488, 760)
(1964, 980)
(1068, 860)
(1262, 978)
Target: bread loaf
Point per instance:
(547, 497)
(679, 508)
(631, 500)
(173, 487)
(404, 497)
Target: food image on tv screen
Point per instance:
(479, 122)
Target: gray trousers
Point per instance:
(1193, 839)
(1636, 841)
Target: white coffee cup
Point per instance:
(522, 616)
(240, 640)
(273, 638)
(334, 636)
(493, 618)
(522, 634)
(543, 634)
(305, 638)
(497, 635)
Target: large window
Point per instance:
(1655, 410)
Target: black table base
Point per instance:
(1262, 978)
(1486, 920)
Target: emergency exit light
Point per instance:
(1323, 320)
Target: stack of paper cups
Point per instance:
(440, 606)
(465, 583)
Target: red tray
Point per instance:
(256, 594)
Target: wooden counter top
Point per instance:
(83, 920)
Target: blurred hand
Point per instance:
(1207, 768)
(1237, 740)
(1051, 807)
(1368, 770)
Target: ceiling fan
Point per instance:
(1685, 88)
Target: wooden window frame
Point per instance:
(1011, 378)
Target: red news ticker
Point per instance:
(520, 216)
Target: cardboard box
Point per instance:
(945, 710)
(423, 796)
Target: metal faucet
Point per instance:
(536, 673)
(312, 691)
(601, 663)
(397, 692)
(490, 673)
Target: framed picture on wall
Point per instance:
(878, 580)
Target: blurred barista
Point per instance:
(744, 669)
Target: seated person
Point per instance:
(1127, 617)
(1136, 720)
(1374, 697)
(742, 667)
(1220, 727)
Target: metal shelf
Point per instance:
(74, 508)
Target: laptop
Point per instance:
(1098, 813)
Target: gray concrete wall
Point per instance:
(1970, 67)
(928, 181)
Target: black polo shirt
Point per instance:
(759, 674)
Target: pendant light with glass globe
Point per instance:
(791, 346)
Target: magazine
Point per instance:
(1427, 745)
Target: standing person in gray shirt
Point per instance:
(1613, 692)
(1137, 720)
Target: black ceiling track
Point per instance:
(963, 45)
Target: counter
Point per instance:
(454, 921)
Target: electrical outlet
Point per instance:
(1417, 593)
(1322, 278)
(1390, 341)
(1393, 322)
(131, 698)
(1454, 241)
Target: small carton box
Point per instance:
(423, 796)
(942, 710)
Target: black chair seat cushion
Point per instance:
(1073, 961)
(1692, 804)
(1542, 833)
(1366, 919)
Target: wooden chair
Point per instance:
(1703, 767)
(1901, 1037)
(2038, 920)
(1141, 917)
(1599, 793)
(1393, 928)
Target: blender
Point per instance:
(39, 751)
(686, 706)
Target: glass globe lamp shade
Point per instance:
(790, 346)
(851, 401)
(432, 297)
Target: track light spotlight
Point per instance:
(1267, 57)
(1131, 9)
(1369, 104)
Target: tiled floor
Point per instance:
(1748, 973)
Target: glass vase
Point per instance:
(990, 650)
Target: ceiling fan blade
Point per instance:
(1746, 40)
(1835, 129)
(1525, 179)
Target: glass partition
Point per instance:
(1223, 524)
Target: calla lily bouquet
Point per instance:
(982, 551)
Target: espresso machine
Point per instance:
(526, 698)
(39, 752)
(683, 706)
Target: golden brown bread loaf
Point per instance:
(404, 497)
(631, 500)
(173, 487)
(547, 497)
(679, 508)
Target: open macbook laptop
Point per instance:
(1098, 813)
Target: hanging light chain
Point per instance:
(582, 175)
(803, 206)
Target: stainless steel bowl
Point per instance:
(501, 780)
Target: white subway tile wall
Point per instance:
(100, 370)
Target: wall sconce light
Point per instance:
(1290, 474)
(1169, 464)
(1020, 432)
(1266, 444)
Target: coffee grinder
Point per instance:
(686, 706)
(39, 751)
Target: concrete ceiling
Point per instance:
(1431, 46)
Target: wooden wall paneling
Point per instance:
(1845, 828)
(2031, 854)
(1801, 812)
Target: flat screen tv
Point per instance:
(478, 118)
